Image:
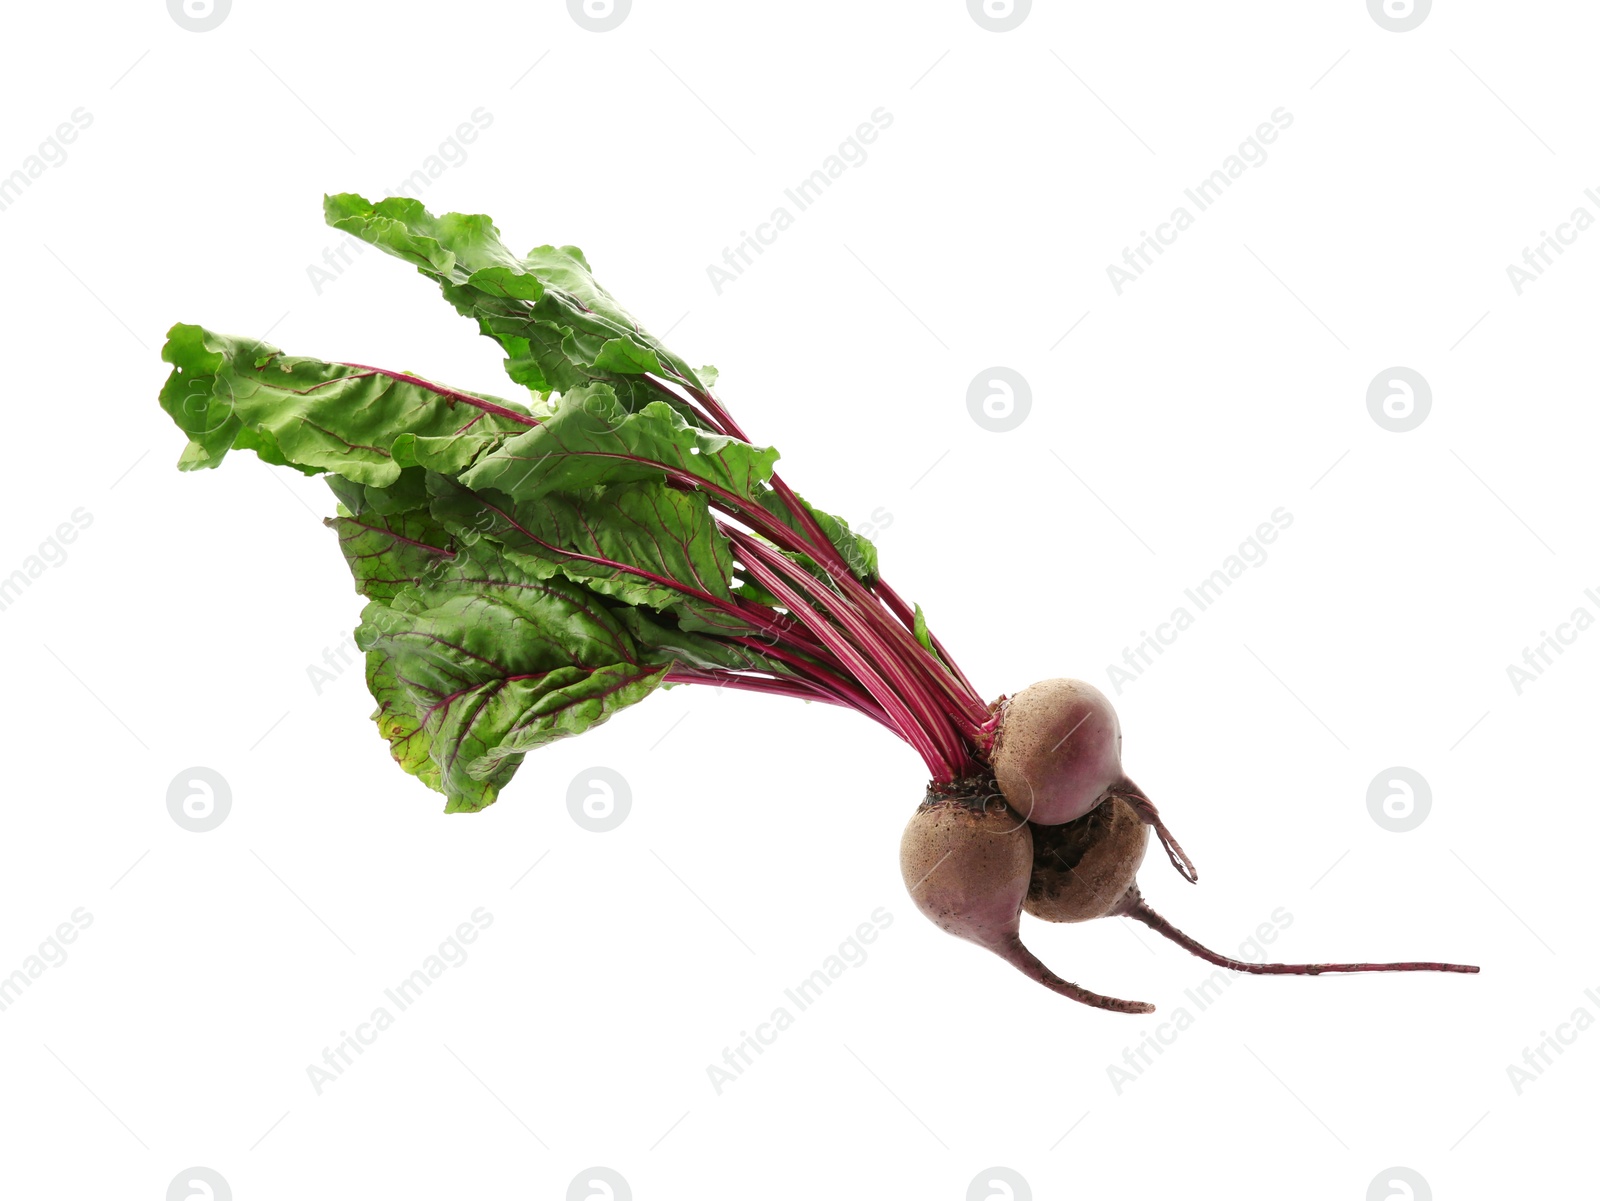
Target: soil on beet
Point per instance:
(1082, 867)
(1059, 849)
(978, 792)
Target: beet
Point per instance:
(966, 858)
(1058, 755)
(1082, 868)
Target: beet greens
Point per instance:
(533, 567)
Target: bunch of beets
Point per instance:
(534, 566)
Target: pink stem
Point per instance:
(953, 750)
(883, 693)
(908, 618)
(691, 406)
(964, 705)
(968, 707)
(821, 674)
(801, 690)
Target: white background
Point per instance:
(1229, 381)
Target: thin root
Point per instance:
(1025, 961)
(1146, 810)
(1133, 905)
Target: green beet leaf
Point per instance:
(388, 554)
(640, 542)
(594, 440)
(559, 328)
(230, 393)
(479, 663)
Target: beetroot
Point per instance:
(972, 862)
(1082, 868)
(1059, 750)
(966, 858)
(1058, 755)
